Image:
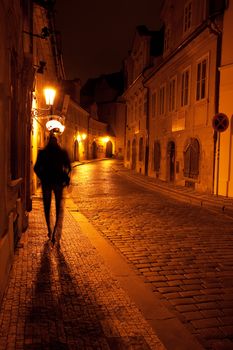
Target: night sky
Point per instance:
(97, 35)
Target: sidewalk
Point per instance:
(217, 203)
(67, 298)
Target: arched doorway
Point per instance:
(94, 150)
(76, 150)
(134, 154)
(109, 149)
(171, 160)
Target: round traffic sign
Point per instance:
(220, 122)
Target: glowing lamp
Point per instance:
(55, 125)
(106, 139)
(49, 96)
(84, 136)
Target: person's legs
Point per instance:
(47, 196)
(58, 191)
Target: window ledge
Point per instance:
(191, 179)
(15, 183)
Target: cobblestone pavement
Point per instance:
(66, 298)
(184, 252)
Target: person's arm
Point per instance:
(38, 167)
(67, 163)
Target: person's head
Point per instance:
(52, 139)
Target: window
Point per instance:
(145, 105)
(128, 150)
(201, 79)
(187, 16)
(153, 105)
(172, 95)
(185, 82)
(14, 134)
(140, 108)
(136, 110)
(157, 156)
(191, 159)
(167, 39)
(141, 149)
(162, 100)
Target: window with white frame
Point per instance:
(201, 83)
(172, 95)
(162, 100)
(157, 156)
(185, 85)
(153, 104)
(145, 105)
(141, 149)
(187, 16)
(140, 108)
(136, 110)
(128, 150)
(167, 39)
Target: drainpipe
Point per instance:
(88, 135)
(147, 129)
(215, 30)
(147, 134)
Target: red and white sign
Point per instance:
(220, 122)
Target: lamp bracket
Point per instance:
(45, 33)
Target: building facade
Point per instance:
(16, 82)
(145, 49)
(76, 130)
(224, 148)
(102, 97)
(182, 98)
(85, 136)
(49, 72)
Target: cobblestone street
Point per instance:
(184, 252)
(67, 298)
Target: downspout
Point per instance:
(218, 33)
(147, 131)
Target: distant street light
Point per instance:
(106, 139)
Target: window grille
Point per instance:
(191, 159)
(128, 150)
(185, 81)
(201, 80)
(162, 100)
(141, 149)
(172, 95)
(157, 156)
(153, 105)
(187, 16)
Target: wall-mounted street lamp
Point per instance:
(55, 125)
(50, 94)
(54, 122)
(44, 34)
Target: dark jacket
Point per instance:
(53, 165)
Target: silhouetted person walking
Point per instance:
(53, 168)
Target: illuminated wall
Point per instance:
(225, 180)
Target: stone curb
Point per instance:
(219, 204)
(169, 329)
